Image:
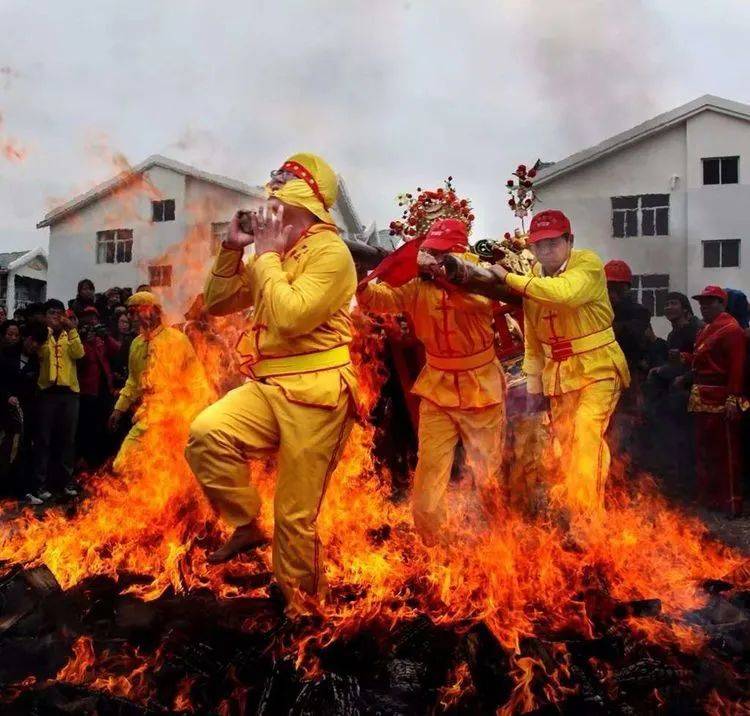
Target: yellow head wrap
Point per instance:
(143, 298)
(316, 188)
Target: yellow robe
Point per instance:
(158, 366)
(571, 355)
(57, 360)
(300, 310)
(462, 387)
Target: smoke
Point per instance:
(596, 68)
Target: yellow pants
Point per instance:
(129, 444)
(579, 421)
(482, 431)
(252, 420)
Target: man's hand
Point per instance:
(114, 420)
(732, 410)
(499, 271)
(428, 265)
(271, 236)
(69, 322)
(237, 238)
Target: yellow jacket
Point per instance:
(165, 362)
(57, 360)
(300, 306)
(568, 327)
(454, 327)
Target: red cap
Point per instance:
(712, 292)
(90, 311)
(447, 235)
(618, 271)
(548, 224)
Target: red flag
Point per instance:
(397, 268)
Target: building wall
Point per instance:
(667, 163)
(717, 211)
(72, 245)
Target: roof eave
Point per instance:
(612, 145)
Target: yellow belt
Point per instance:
(475, 360)
(302, 363)
(563, 348)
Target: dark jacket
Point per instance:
(18, 378)
(630, 324)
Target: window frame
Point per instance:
(159, 210)
(720, 243)
(160, 275)
(639, 211)
(651, 296)
(119, 244)
(720, 160)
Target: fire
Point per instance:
(509, 572)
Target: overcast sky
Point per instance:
(393, 93)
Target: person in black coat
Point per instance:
(19, 373)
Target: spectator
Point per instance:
(737, 307)
(85, 297)
(631, 323)
(19, 374)
(3, 314)
(144, 287)
(58, 402)
(35, 312)
(96, 389)
(717, 400)
(669, 427)
(123, 334)
(10, 333)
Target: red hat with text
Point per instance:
(548, 224)
(712, 292)
(447, 235)
(618, 272)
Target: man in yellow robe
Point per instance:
(571, 355)
(462, 386)
(163, 373)
(299, 401)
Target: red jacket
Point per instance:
(94, 368)
(719, 359)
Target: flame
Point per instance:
(508, 571)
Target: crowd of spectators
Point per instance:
(684, 417)
(61, 369)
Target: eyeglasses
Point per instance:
(281, 176)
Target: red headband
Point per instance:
(301, 173)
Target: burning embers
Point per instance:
(116, 604)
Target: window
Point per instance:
(162, 210)
(160, 275)
(114, 247)
(624, 216)
(721, 170)
(651, 290)
(219, 233)
(721, 254)
(641, 215)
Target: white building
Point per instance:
(23, 278)
(669, 196)
(159, 223)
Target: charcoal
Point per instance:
(331, 694)
(41, 656)
(606, 648)
(489, 666)
(645, 675)
(716, 586)
(721, 611)
(406, 677)
(135, 615)
(741, 600)
(280, 690)
(379, 535)
(638, 608)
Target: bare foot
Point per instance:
(244, 538)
